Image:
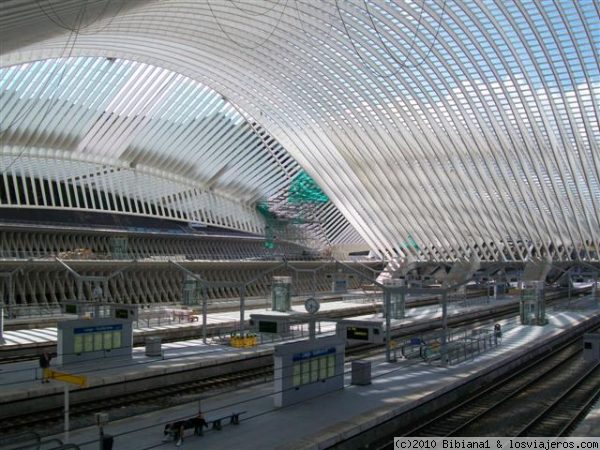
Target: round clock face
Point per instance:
(312, 305)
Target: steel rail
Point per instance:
(542, 424)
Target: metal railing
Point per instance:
(462, 344)
(26, 440)
(18, 311)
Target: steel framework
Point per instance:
(439, 129)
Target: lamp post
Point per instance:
(101, 420)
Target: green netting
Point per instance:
(263, 209)
(410, 243)
(272, 224)
(304, 190)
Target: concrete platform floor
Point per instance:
(321, 422)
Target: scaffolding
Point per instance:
(293, 214)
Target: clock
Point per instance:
(312, 305)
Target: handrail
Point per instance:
(20, 440)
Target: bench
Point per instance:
(184, 314)
(414, 348)
(193, 422)
(234, 419)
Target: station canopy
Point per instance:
(429, 129)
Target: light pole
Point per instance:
(101, 420)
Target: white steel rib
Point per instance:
(439, 129)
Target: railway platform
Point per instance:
(333, 419)
(186, 354)
(218, 322)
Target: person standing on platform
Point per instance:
(497, 333)
(45, 366)
(97, 293)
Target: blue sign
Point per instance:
(97, 329)
(313, 353)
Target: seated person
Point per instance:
(175, 430)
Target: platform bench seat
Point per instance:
(217, 424)
(412, 351)
(171, 430)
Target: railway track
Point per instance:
(561, 416)
(82, 414)
(545, 398)
(122, 406)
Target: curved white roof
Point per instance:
(438, 128)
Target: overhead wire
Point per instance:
(413, 40)
(430, 47)
(252, 13)
(239, 44)
(304, 30)
(58, 21)
(401, 66)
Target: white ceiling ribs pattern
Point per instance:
(440, 129)
(139, 122)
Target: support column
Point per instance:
(312, 329)
(204, 312)
(281, 293)
(533, 307)
(79, 290)
(397, 298)
(242, 308)
(1, 324)
(67, 413)
(595, 289)
(570, 284)
(11, 296)
(387, 298)
(444, 354)
(533, 303)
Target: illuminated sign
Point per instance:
(266, 326)
(97, 329)
(313, 353)
(121, 313)
(358, 333)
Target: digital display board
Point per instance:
(357, 333)
(267, 326)
(121, 313)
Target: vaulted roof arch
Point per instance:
(440, 129)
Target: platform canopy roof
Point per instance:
(434, 129)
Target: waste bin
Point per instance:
(107, 442)
(153, 346)
(361, 372)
